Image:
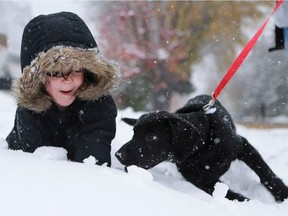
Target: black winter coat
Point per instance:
(84, 128)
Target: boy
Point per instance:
(63, 94)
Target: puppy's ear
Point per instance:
(130, 121)
(186, 138)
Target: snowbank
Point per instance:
(45, 183)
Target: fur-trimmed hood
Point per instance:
(61, 42)
(28, 88)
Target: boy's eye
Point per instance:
(77, 71)
(55, 74)
(61, 74)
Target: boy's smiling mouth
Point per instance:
(69, 92)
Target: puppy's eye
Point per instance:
(151, 137)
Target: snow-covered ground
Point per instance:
(45, 183)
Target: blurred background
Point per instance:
(170, 51)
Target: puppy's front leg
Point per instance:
(230, 194)
(267, 177)
(235, 196)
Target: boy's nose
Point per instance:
(67, 76)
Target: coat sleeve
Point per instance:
(28, 132)
(98, 131)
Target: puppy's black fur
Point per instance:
(202, 145)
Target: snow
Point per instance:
(45, 183)
(280, 14)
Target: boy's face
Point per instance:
(62, 89)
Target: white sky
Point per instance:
(52, 6)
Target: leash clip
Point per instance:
(209, 105)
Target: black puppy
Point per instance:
(202, 144)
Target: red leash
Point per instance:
(239, 60)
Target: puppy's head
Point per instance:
(150, 143)
(158, 137)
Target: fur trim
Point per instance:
(28, 88)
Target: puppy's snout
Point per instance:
(121, 156)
